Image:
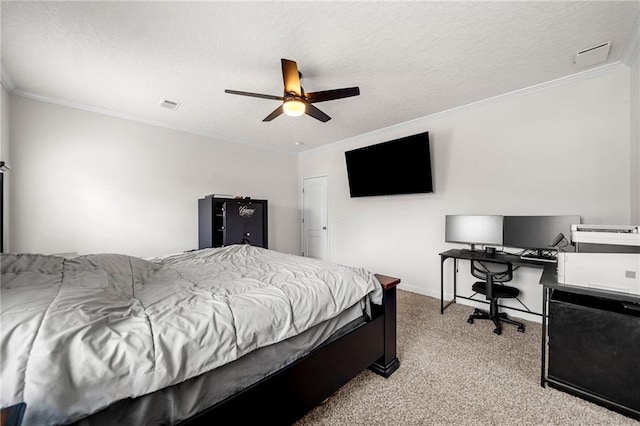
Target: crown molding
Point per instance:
(385, 131)
(139, 119)
(633, 47)
(583, 75)
(6, 80)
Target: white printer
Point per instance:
(612, 235)
(607, 257)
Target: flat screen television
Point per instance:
(473, 229)
(400, 166)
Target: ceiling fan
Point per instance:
(295, 101)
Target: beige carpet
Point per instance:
(453, 373)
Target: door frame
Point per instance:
(326, 177)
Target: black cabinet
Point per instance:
(594, 344)
(226, 221)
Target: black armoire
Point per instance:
(226, 221)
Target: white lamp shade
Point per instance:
(294, 108)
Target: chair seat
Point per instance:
(499, 291)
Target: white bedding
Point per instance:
(78, 334)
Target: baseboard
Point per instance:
(419, 290)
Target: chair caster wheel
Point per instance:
(470, 320)
(521, 328)
(497, 331)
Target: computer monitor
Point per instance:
(473, 229)
(536, 232)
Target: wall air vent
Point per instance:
(592, 56)
(169, 104)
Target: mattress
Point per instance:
(80, 334)
(181, 401)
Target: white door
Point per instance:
(314, 218)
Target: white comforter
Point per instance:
(79, 334)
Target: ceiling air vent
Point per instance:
(169, 104)
(592, 56)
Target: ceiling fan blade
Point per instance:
(274, 114)
(316, 113)
(291, 77)
(254, 95)
(329, 95)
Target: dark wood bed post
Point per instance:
(389, 362)
(290, 393)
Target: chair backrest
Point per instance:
(501, 272)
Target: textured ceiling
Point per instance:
(410, 59)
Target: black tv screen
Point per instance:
(401, 166)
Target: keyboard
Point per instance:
(538, 258)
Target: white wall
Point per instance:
(4, 156)
(4, 124)
(635, 138)
(85, 182)
(557, 150)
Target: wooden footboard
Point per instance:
(290, 393)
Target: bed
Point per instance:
(230, 334)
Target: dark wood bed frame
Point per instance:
(290, 393)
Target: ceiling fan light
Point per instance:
(294, 108)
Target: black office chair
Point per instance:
(494, 275)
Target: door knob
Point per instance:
(324, 228)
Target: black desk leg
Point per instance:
(543, 349)
(455, 281)
(442, 285)
(455, 284)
